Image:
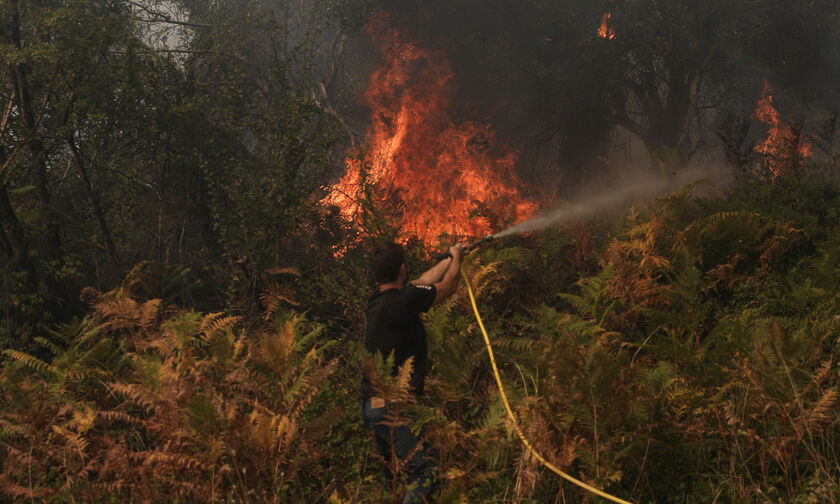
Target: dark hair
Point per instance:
(385, 261)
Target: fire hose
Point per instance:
(510, 414)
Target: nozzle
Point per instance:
(479, 242)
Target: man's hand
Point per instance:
(436, 274)
(459, 250)
(447, 285)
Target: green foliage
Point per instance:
(169, 135)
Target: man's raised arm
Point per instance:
(434, 274)
(446, 286)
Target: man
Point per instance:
(394, 325)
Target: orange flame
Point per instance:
(605, 31)
(783, 144)
(433, 174)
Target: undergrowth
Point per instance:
(686, 355)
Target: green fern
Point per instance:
(31, 362)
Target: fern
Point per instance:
(274, 297)
(215, 323)
(47, 344)
(821, 413)
(31, 362)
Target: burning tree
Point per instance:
(783, 147)
(433, 173)
(605, 31)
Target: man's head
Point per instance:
(387, 261)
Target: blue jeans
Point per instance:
(400, 441)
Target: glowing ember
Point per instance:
(783, 144)
(605, 31)
(432, 174)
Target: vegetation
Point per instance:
(688, 356)
(181, 320)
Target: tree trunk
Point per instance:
(205, 217)
(95, 204)
(35, 145)
(4, 241)
(14, 236)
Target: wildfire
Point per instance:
(605, 31)
(433, 174)
(783, 144)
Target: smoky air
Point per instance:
(475, 116)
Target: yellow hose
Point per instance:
(510, 411)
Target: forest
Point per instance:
(189, 190)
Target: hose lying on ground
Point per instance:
(516, 427)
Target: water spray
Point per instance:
(590, 203)
(587, 205)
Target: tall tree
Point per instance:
(260, 138)
(52, 66)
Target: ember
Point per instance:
(783, 144)
(605, 31)
(435, 175)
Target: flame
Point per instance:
(433, 174)
(605, 31)
(783, 143)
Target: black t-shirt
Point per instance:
(393, 324)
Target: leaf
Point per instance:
(31, 362)
(284, 270)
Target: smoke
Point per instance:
(565, 99)
(558, 93)
(593, 201)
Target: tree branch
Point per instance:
(6, 115)
(160, 17)
(692, 92)
(633, 127)
(172, 22)
(164, 51)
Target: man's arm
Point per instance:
(447, 285)
(434, 274)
